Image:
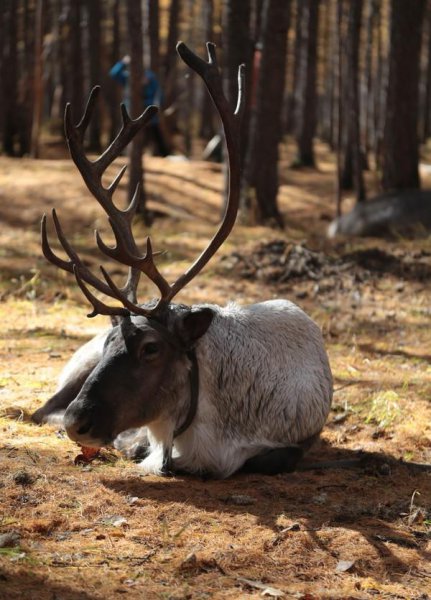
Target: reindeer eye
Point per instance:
(150, 350)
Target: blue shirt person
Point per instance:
(151, 95)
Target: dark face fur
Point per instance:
(143, 361)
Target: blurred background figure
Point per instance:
(151, 95)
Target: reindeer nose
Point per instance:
(77, 426)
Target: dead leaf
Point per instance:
(87, 455)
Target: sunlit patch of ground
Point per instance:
(99, 531)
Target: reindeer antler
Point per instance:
(126, 251)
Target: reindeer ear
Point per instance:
(194, 324)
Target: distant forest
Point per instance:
(355, 74)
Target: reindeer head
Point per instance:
(148, 354)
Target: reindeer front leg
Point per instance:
(161, 438)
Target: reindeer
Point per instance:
(206, 389)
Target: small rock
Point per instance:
(132, 500)
(115, 521)
(344, 565)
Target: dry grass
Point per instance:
(103, 531)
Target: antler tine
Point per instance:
(145, 264)
(210, 74)
(99, 307)
(74, 259)
(127, 132)
(123, 297)
(88, 112)
(82, 273)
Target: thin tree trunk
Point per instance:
(305, 93)
(75, 67)
(339, 196)
(25, 99)
(10, 73)
(400, 141)
(207, 128)
(2, 74)
(265, 126)
(297, 46)
(238, 50)
(136, 172)
(113, 89)
(153, 35)
(95, 52)
(38, 81)
(327, 111)
(170, 62)
(366, 81)
(380, 89)
(352, 170)
(426, 122)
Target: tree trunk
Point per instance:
(25, 99)
(326, 129)
(2, 75)
(305, 91)
(153, 35)
(238, 49)
(297, 44)
(112, 87)
(95, 51)
(207, 128)
(367, 90)
(338, 64)
(352, 176)
(75, 67)
(380, 85)
(10, 74)
(400, 139)
(136, 172)
(426, 118)
(261, 171)
(37, 80)
(170, 62)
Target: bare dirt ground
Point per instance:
(103, 530)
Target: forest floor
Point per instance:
(103, 530)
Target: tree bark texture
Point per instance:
(170, 62)
(37, 81)
(74, 68)
(10, 76)
(154, 35)
(207, 126)
(238, 49)
(400, 154)
(136, 172)
(261, 171)
(305, 91)
(95, 53)
(352, 176)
